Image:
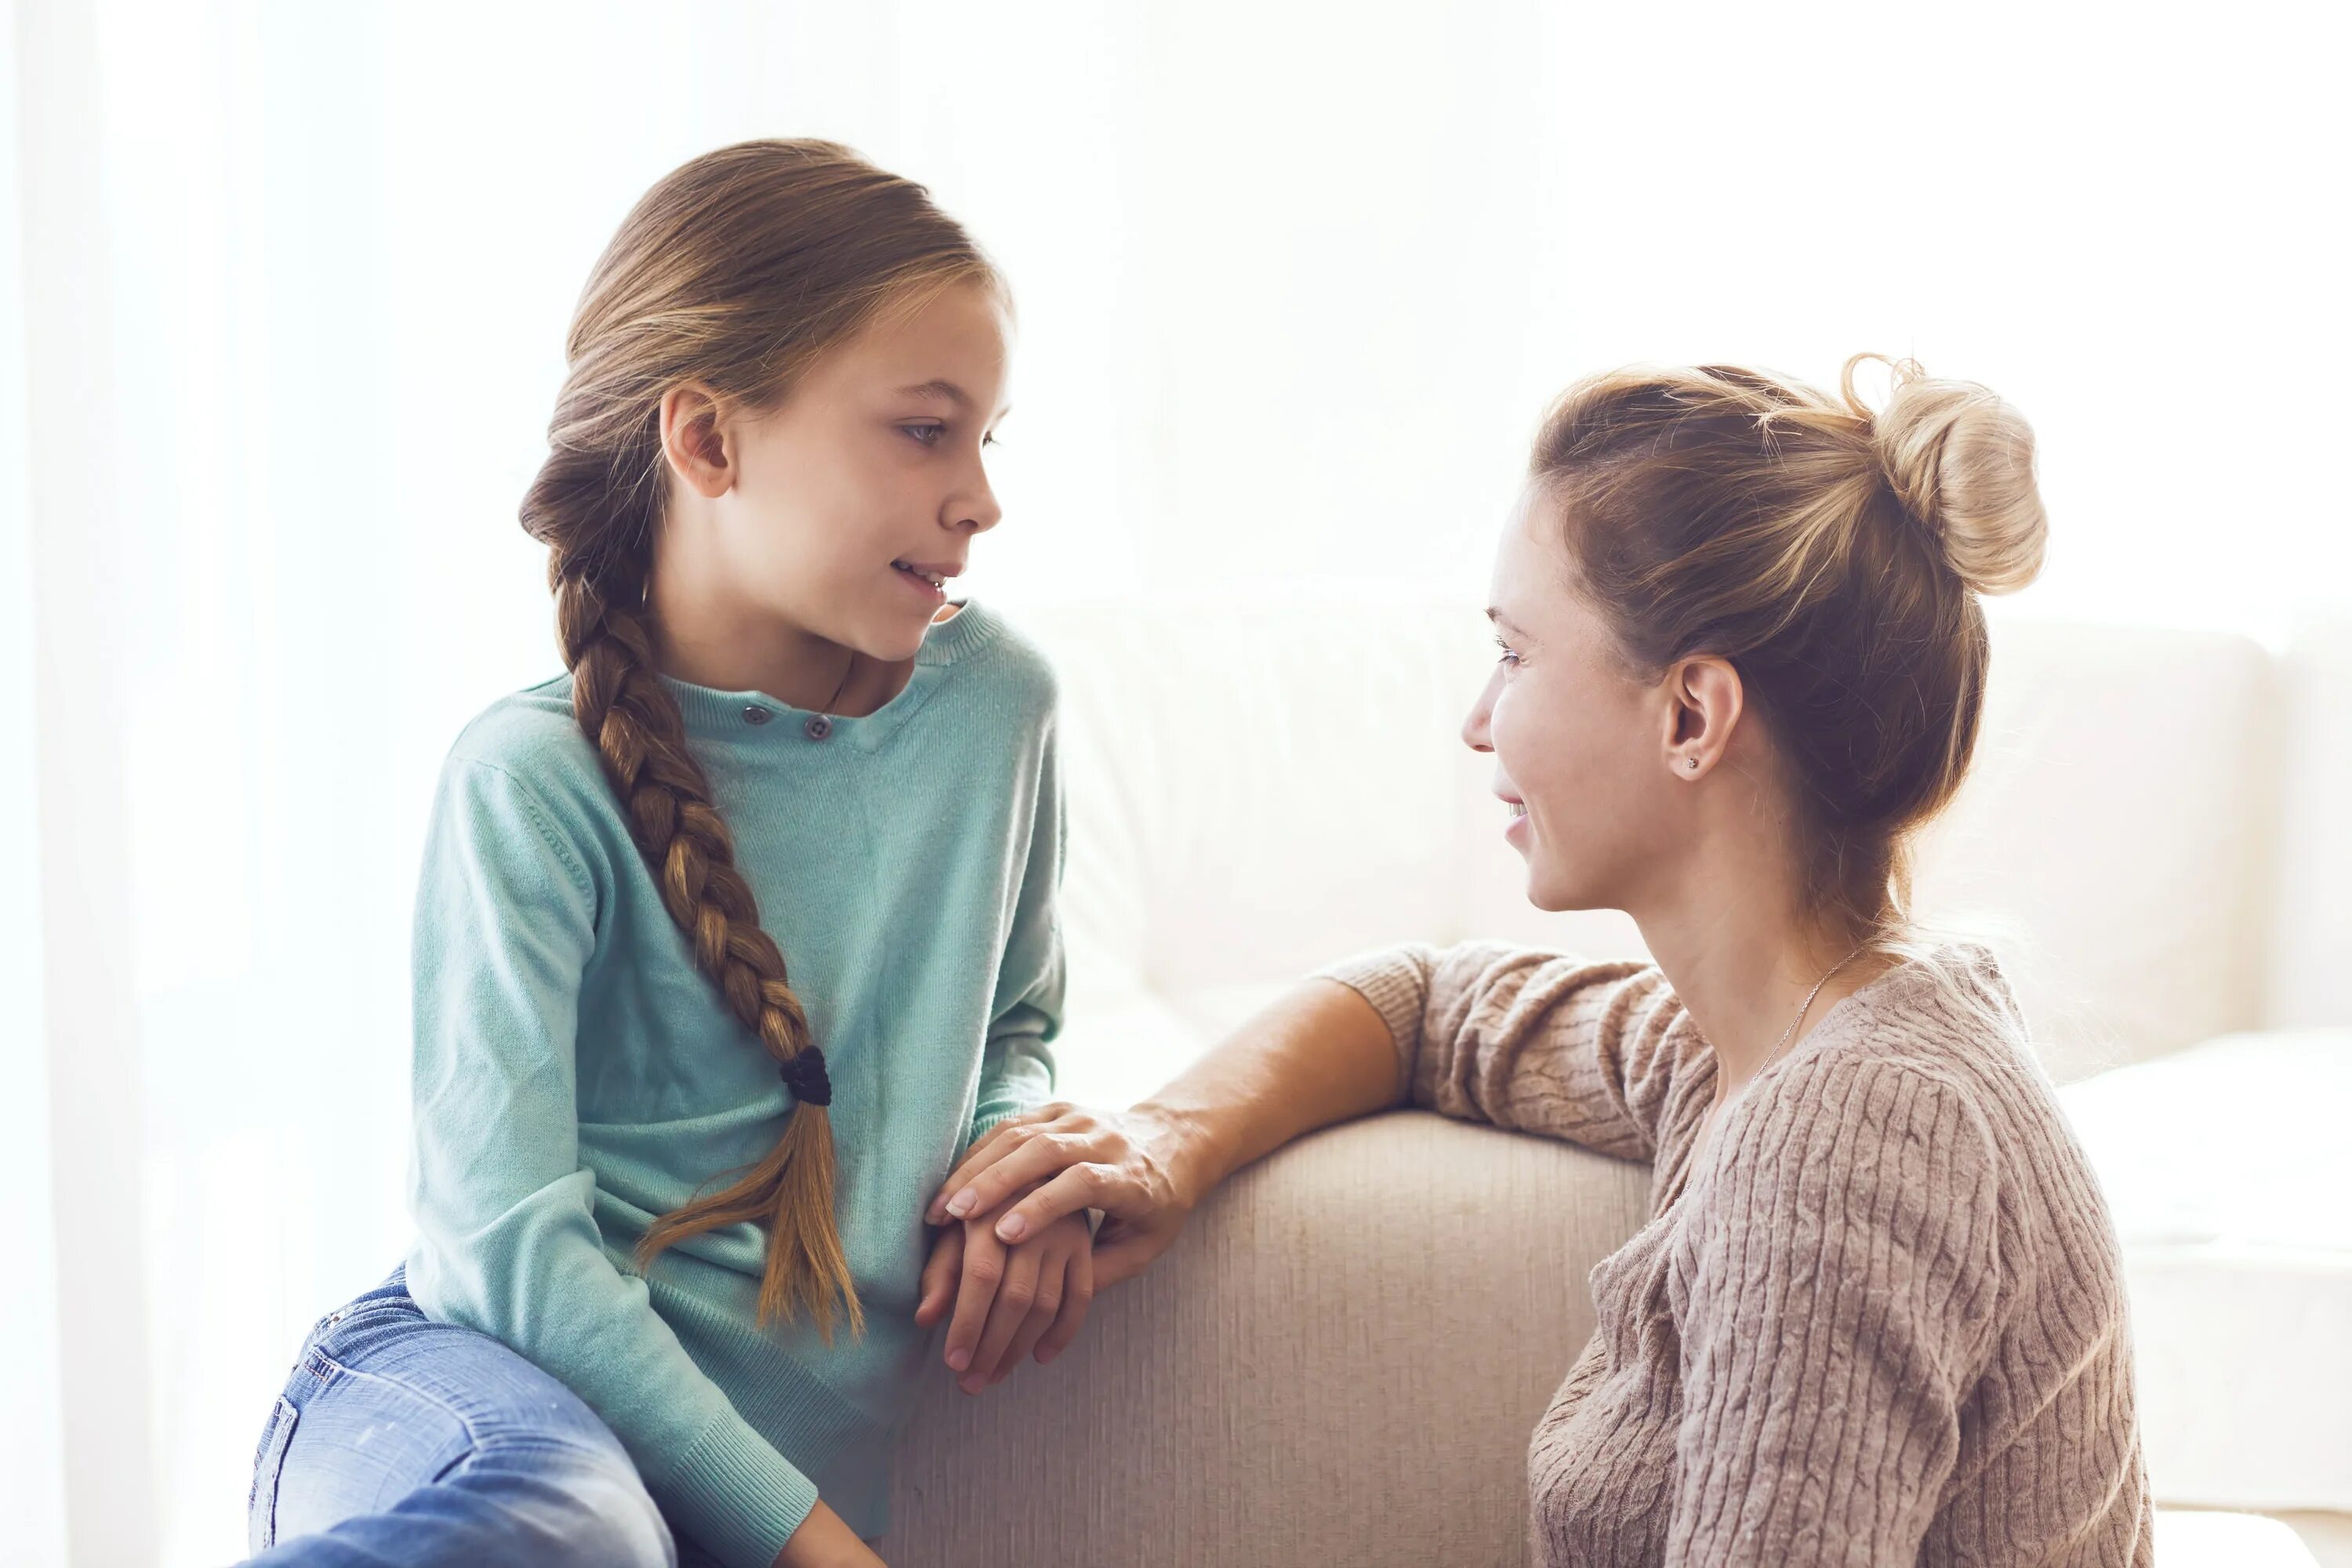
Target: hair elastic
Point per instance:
(805, 1076)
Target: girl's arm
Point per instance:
(508, 1243)
(1016, 1068)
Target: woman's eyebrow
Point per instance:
(1504, 621)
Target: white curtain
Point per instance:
(286, 292)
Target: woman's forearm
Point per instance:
(1317, 1055)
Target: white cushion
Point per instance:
(2227, 1171)
(2227, 1540)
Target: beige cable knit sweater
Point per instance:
(1881, 1317)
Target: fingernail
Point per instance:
(1046, 1355)
(961, 1203)
(959, 1360)
(1013, 1227)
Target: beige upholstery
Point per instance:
(1310, 1375)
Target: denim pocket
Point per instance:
(268, 1462)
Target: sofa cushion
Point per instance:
(2228, 1170)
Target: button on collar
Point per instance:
(755, 714)
(818, 727)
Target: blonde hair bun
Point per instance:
(1961, 461)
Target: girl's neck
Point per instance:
(708, 640)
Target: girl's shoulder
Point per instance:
(983, 648)
(530, 738)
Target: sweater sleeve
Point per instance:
(1016, 1065)
(1536, 1041)
(507, 1242)
(1846, 1265)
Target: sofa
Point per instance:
(1342, 1357)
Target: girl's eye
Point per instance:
(930, 435)
(1508, 657)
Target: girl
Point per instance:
(662, 1300)
(1877, 1315)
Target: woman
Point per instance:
(1877, 1315)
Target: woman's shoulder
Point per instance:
(1936, 1048)
(1946, 1011)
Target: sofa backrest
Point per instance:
(1258, 787)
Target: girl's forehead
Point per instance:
(958, 337)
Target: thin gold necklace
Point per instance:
(1791, 1029)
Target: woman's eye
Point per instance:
(988, 441)
(1508, 656)
(927, 435)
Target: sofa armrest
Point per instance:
(1340, 1360)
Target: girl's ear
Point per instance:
(694, 437)
(1704, 702)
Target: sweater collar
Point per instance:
(754, 717)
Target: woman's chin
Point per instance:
(1554, 894)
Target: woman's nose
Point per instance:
(1474, 728)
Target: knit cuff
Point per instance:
(733, 1493)
(1396, 982)
(987, 1123)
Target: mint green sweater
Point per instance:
(576, 1075)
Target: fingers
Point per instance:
(1029, 1162)
(976, 1158)
(1125, 1248)
(1077, 1292)
(1014, 1132)
(983, 1270)
(1016, 1298)
(941, 1272)
(1076, 1189)
(1045, 1310)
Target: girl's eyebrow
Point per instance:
(941, 387)
(1503, 620)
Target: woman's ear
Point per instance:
(1704, 701)
(695, 440)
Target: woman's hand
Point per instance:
(826, 1541)
(1137, 1167)
(1008, 1301)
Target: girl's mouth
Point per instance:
(930, 584)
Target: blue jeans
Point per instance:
(402, 1441)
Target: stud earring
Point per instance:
(1691, 761)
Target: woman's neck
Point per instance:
(1743, 962)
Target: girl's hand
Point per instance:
(1007, 1300)
(1136, 1166)
(826, 1541)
